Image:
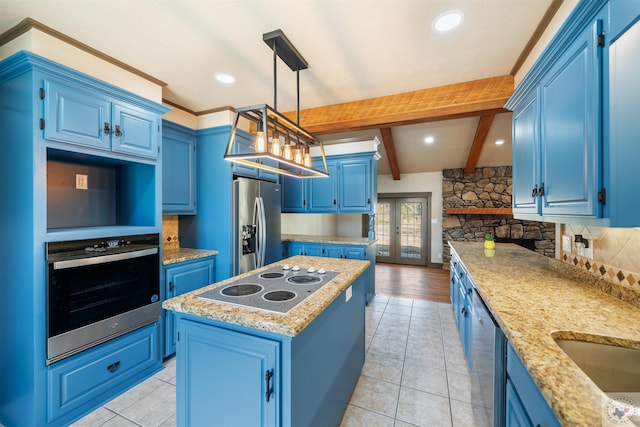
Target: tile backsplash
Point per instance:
(170, 238)
(616, 253)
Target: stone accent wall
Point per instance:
(489, 187)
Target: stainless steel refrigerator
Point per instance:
(256, 224)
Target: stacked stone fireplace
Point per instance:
(488, 187)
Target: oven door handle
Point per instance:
(103, 259)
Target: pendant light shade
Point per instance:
(287, 150)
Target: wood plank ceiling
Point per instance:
(484, 98)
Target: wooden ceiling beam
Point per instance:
(478, 142)
(390, 149)
(468, 99)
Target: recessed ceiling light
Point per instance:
(225, 78)
(499, 142)
(447, 21)
(429, 140)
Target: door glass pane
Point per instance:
(411, 230)
(383, 228)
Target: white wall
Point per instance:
(310, 224)
(426, 182)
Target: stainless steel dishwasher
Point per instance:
(488, 366)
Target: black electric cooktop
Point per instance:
(277, 289)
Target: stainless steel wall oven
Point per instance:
(99, 289)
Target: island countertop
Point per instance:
(328, 239)
(533, 302)
(291, 323)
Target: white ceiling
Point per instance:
(356, 49)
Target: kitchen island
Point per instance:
(243, 366)
(535, 300)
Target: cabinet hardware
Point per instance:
(369, 201)
(601, 40)
(602, 196)
(269, 390)
(107, 129)
(171, 286)
(41, 124)
(113, 367)
(42, 93)
(541, 190)
(334, 201)
(534, 192)
(118, 132)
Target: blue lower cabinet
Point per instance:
(84, 381)
(226, 378)
(229, 375)
(525, 404)
(180, 278)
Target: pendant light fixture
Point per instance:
(280, 145)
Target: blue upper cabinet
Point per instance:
(178, 169)
(350, 188)
(570, 134)
(355, 189)
(323, 192)
(558, 131)
(624, 14)
(135, 131)
(623, 200)
(77, 114)
(525, 156)
(293, 195)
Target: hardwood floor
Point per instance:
(408, 281)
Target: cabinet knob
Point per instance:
(118, 132)
(107, 129)
(534, 192)
(541, 190)
(369, 201)
(334, 201)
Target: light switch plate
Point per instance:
(566, 243)
(82, 182)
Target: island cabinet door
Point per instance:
(226, 378)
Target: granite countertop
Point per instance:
(291, 323)
(173, 255)
(328, 239)
(533, 302)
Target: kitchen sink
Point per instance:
(610, 367)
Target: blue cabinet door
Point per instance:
(226, 378)
(179, 279)
(135, 131)
(528, 398)
(178, 169)
(623, 200)
(570, 129)
(75, 116)
(295, 248)
(624, 14)
(355, 186)
(334, 251)
(293, 195)
(314, 249)
(322, 192)
(526, 148)
(516, 415)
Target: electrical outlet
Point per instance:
(348, 294)
(566, 243)
(82, 182)
(588, 252)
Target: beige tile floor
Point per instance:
(414, 375)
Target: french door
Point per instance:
(401, 230)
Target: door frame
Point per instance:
(425, 195)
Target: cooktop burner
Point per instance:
(274, 275)
(304, 279)
(276, 289)
(241, 290)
